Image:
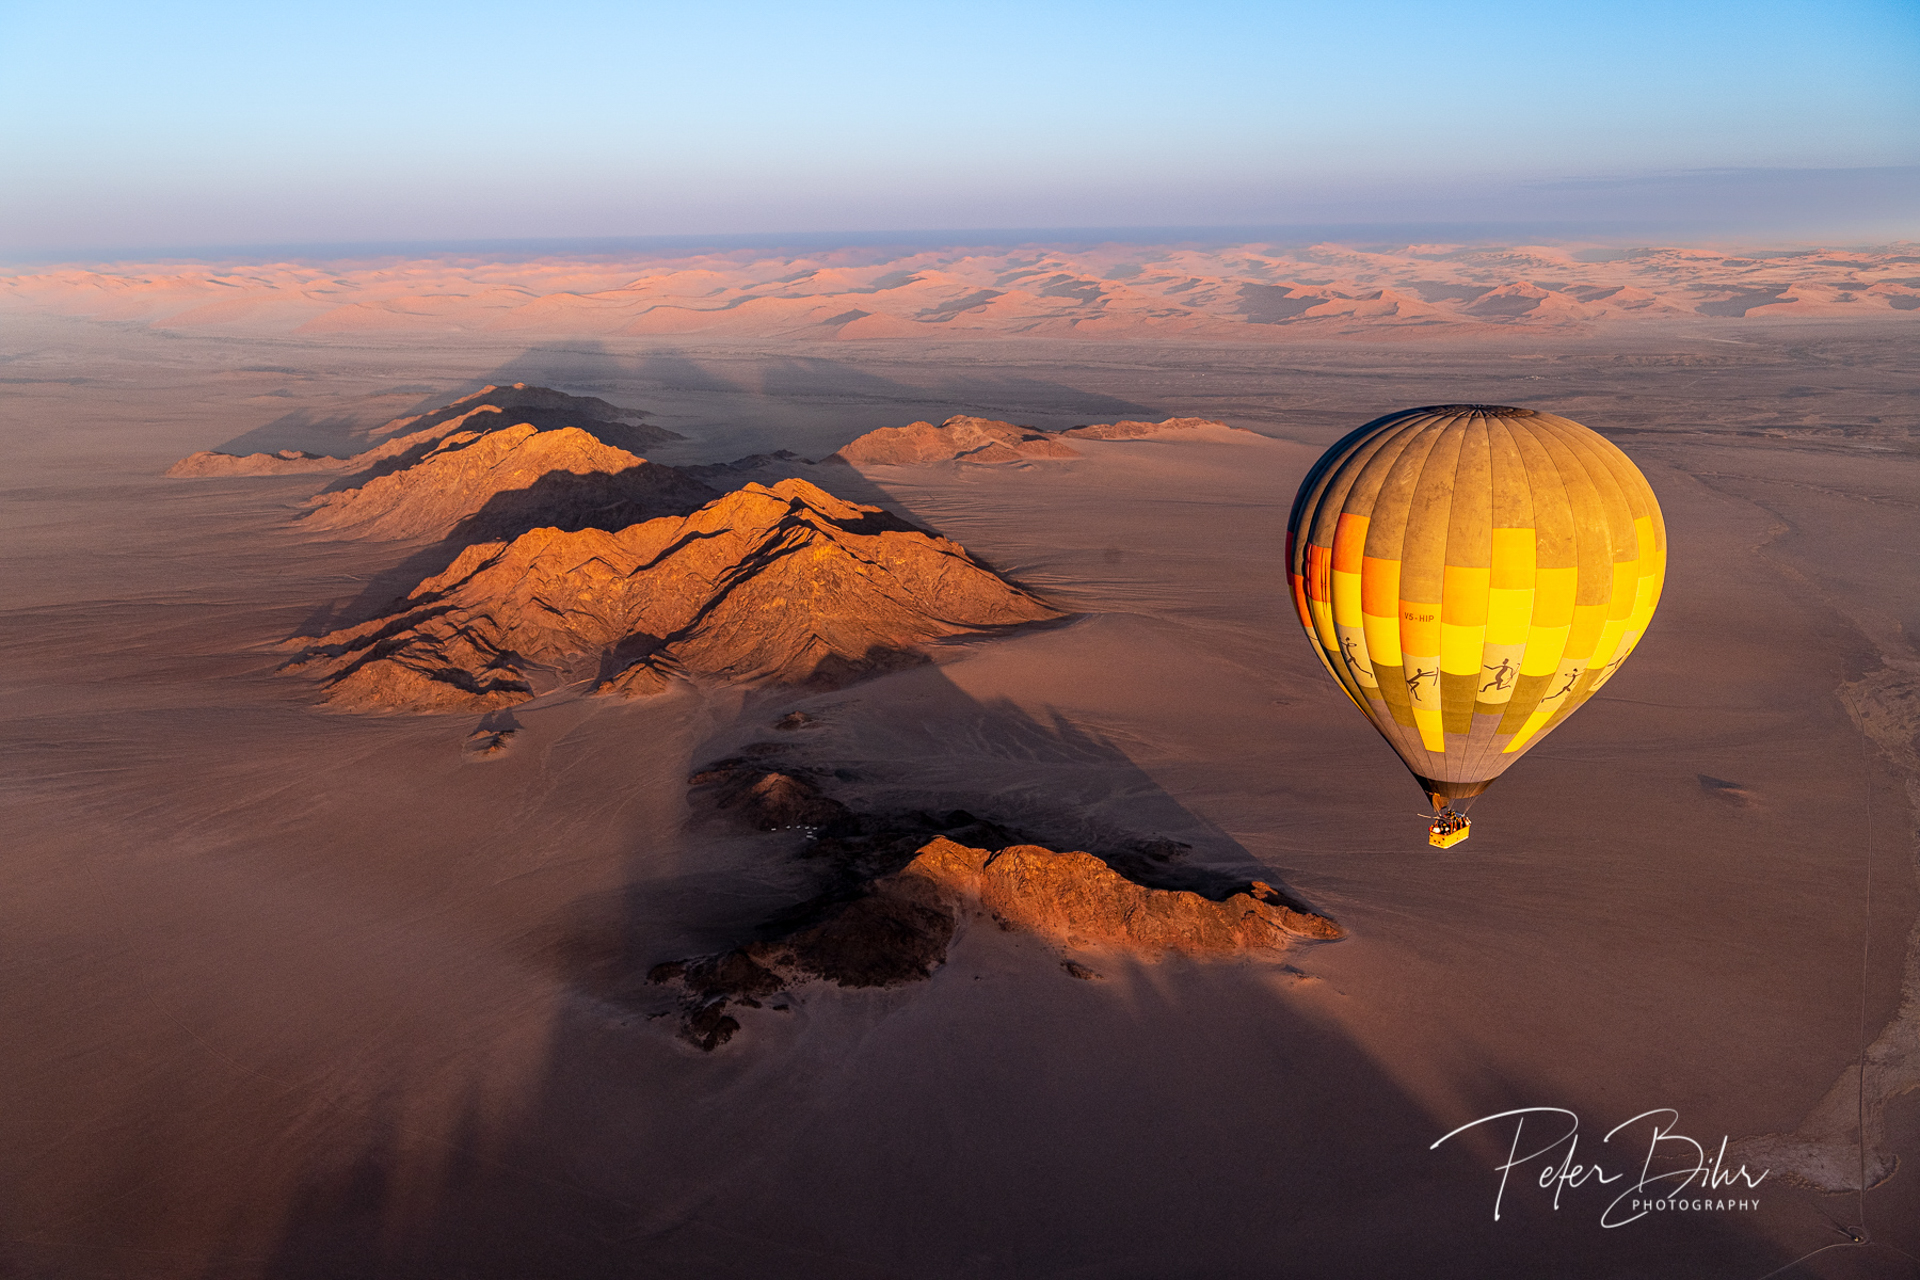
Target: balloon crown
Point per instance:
(1491, 410)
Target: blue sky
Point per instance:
(126, 125)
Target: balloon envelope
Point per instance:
(1472, 574)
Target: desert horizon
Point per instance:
(1253, 292)
(550, 918)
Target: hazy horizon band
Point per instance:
(1616, 233)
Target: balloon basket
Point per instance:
(1448, 839)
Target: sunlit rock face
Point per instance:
(523, 402)
(785, 584)
(988, 441)
(488, 482)
(1179, 428)
(958, 438)
(286, 462)
(1077, 900)
(900, 930)
(414, 438)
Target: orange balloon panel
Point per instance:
(1472, 574)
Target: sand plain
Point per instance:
(295, 993)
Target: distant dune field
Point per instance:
(1252, 293)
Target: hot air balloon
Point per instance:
(1471, 574)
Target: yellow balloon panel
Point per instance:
(1472, 574)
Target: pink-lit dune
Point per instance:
(1243, 293)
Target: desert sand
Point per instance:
(1237, 293)
(300, 991)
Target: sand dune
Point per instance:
(1248, 293)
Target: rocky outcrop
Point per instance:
(770, 799)
(1127, 429)
(765, 468)
(543, 406)
(901, 929)
(1077, 900)
(765, 585)
(984, 440)
(959, 438)
(284, 463)
(481, 483)
(414, 437)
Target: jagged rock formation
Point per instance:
(901, 929)
(958, 438)
(527, 403)
(500, 482)
(755, 466)
(495, 408)
(492, 408)
(1077, 900)
(769, 799)
(1127, 429)
(985, 440)
(284, 463)
(787, 584)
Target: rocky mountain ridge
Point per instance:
(899, 931)
(411, 438)
(1128, 429)
(961, 437)
(988, 441)
(558, 558)
(501, 481)
(786, 584)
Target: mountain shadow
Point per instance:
(1016, 1113)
